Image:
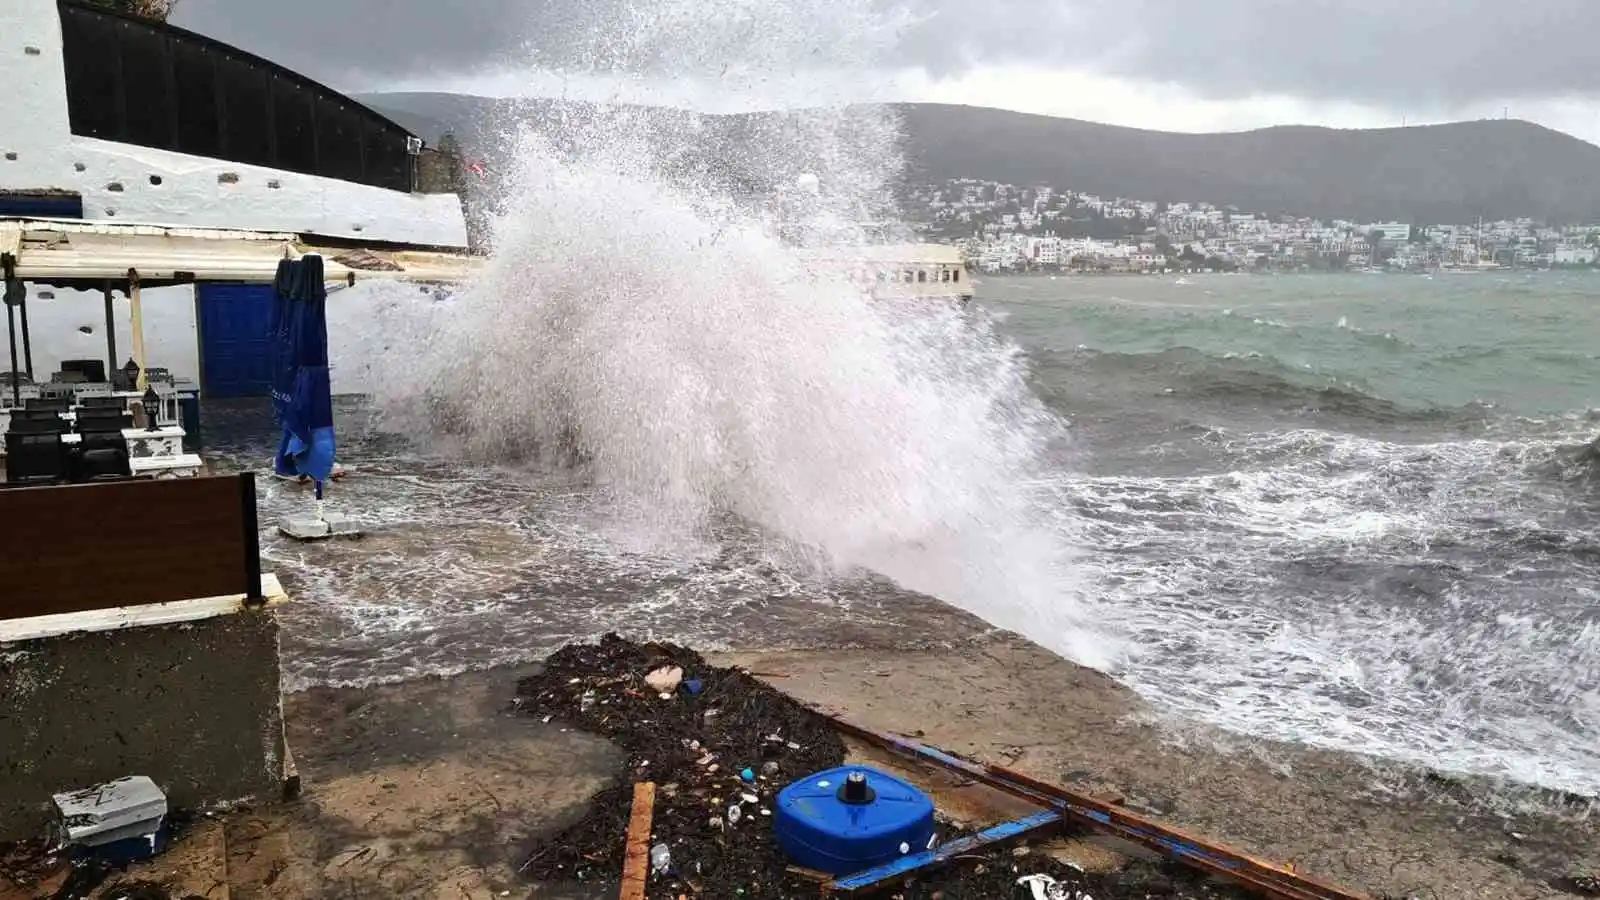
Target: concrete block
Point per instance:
(195, 706)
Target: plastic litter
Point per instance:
(664, 680)
(1044, 887)
(660, 859)
(131, 807)
(748, 776)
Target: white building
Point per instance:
(1046, 251)
(109, 118)
(242, 143)
(1393, 232)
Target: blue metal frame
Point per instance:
(1273, 881)
(1009, 831)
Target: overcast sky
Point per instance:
(1175, 64)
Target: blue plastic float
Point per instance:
(851, 818)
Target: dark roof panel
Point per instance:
(156, 85)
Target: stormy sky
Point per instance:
(1186, 65)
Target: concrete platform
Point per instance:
(423, 790)
(431, 789)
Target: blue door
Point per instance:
(235, 347)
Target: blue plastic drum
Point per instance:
(852, 818)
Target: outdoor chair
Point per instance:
(38, 458)
(105, 402)
(56, 404)
(103, 454)
(37, 421)
(102, 418)
(91, 370)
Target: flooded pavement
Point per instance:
(465, 567)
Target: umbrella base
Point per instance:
(311, 528)
(338, 473)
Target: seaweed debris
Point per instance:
(720, 744)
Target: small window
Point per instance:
(944, 275)
(922, 276)
(956, 275)
(883, 277)
(907, 276)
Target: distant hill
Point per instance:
(1435, 173)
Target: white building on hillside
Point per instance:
(1393, 232)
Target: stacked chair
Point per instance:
(103, 452)
(35, 453)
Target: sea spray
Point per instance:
(652, 328)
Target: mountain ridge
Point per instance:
(1441, 173)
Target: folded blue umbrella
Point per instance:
(302, 395)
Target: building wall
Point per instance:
(119, 182)
(57, 317)
(56, 324)
(196, 707)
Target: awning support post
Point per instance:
(111, 332)
(27, 340)
(138, 329)
(8, 269)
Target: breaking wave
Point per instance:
(649, 329)
(1427, 602)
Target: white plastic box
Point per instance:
(127, 807)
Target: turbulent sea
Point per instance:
(1352, 511)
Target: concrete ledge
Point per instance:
(187, 693)
(36, 627)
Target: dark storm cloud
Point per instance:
(1448, 51)
(338, 40)
(1418, 51)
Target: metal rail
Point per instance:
(1272, 881)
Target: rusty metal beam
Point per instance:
(1275, 882)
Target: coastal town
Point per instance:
(1039, 228)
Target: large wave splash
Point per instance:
(641, 321)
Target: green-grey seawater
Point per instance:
(1353, 510)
